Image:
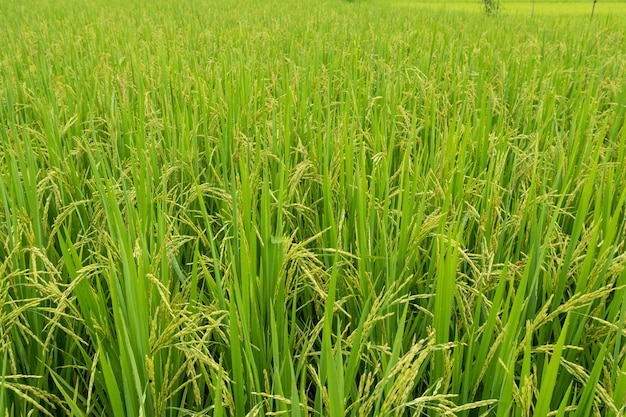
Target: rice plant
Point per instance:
(310, 208)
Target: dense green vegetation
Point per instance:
(612, 8)
(234, 208)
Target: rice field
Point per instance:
(602, 9)
(310, 208)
